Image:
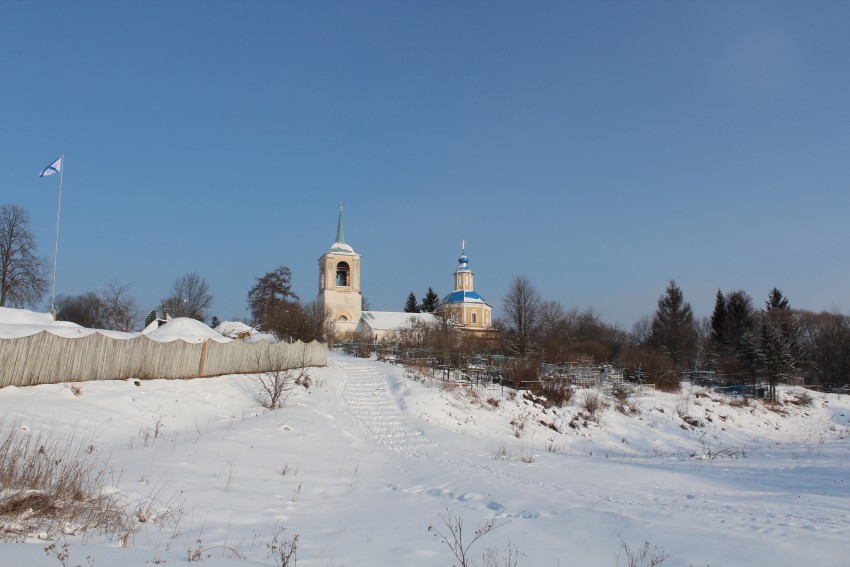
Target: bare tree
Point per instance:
(119, 308)
(85, 309)
(22, 281)
(522, 306)
(275, 380)
(190, 297)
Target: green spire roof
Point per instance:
(340, 247)
(340, 233)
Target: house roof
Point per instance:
(392, 320)
(461, 296)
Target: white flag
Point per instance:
(54, 167)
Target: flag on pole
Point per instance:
(54, 167)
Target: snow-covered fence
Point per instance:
(45, 358)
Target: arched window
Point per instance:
(342, 270)
(342, 318)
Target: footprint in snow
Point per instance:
(495, 507)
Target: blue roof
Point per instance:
(461, 296)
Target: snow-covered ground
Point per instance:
(364, 461)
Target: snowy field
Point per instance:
(364, 461)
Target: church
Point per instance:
(339, 290)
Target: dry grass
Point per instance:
(51, 484)
(557, 394)
(803, 399)
(642, 557)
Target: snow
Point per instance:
(186, 329)
(23, 323)
(364, 461)
(16, 323)
(237, 329)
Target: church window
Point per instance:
(342, 318)
(342, 275)
(474, 319)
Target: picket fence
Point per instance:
(45, 358)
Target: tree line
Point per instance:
(740, 342)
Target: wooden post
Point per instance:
(203, 356)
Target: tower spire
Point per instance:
(340, 233)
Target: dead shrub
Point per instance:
(364, 350)
(493, 402)
(621, 393)
(592, 402)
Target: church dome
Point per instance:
(463, 261)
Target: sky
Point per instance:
(599, 149)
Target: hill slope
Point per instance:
(364, 461)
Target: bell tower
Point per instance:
(339, 282)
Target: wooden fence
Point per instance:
(45, 358)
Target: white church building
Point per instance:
(339, 289)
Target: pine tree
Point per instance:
(739, 317)
(215, 322)
(410, 306)
(775, 300)
(150, 318)
(430, 302)
(673, 326)
(269, 296)
(748, 355)
(774, 357)
(718, 319)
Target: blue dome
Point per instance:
(461, 296)
(464, 259)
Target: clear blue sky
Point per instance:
(598, 148)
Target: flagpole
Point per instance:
(56, 245)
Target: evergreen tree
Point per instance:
(748, 355)
(150, 318)
(739, 317)
(270, 295)
(673, 327)
(774, 357)
(410, 306)
(775, 300)
(215, 322)
(718, 319)
(779, 314)
(430, 302)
